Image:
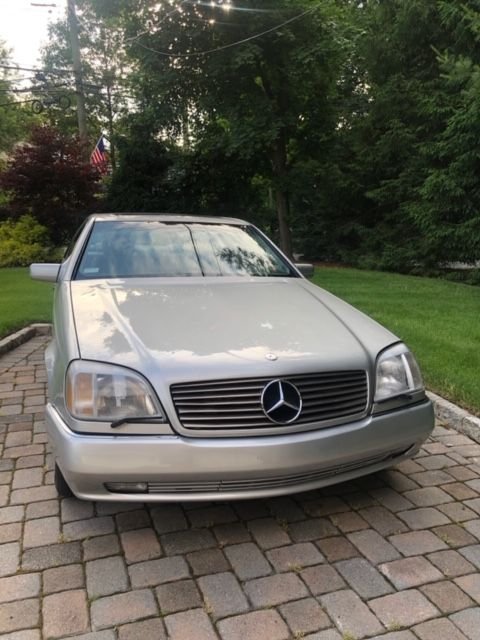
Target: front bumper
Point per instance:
(178, 468)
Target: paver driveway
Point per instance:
(394, 555)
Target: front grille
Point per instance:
(236, 404)
(274, 482)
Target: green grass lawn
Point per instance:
(22, 300)
(439, 320)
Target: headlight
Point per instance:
(397, 373)
(97, 391)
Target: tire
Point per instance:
(61, 485)
(64, 102)
(37, 106)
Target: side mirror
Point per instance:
(47, 272)
(305, 269)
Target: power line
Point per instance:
(169, 54)
(170, 13)
(32, 70)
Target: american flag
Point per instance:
(99, 156)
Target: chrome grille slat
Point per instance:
(229, 405)
(272, 482)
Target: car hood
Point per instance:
(208, 328)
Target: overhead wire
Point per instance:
(170, 54)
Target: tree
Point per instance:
(270, 96)
(103, 64)
(449, 196)
(15, 116)
(48, 178)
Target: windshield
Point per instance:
(124, 249)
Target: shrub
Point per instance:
(23, 242)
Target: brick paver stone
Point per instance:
(248, 561)
(41, 558)
(255, 625)
(277, 589)
(447, 597)
(19, 587)
(122, 608)
(63, 578)
(468, 621)
(390, 499)
(101, 547)
(64, 614)
(10, 532)
(312, 529)
(178, 596)
(417, 542)
(167, 518)
(20, 614)
(294, 556)
(451, 563)
(88, 528)
(186, 541)
(338, 548)
(424, 518)
(106, 576)
(9, 558)
(154, 572)
(404, 608)
(363, 578)
(373, 546)
(410, 572)
(471, 585)
(223, 595)
(383, 520)
(190, 624)
(322, 579)
(207, 561)
(350, 614)
(455, 535)
(209, 516)
(472, 554)
(139, 545)
(428, 497)
(42, 509)
(438, 630)
(73, 509)
(304, 616)
(29, 634)
(152, 629)
(41, 532)
(268, 533)
(233, 533)
(325, 506)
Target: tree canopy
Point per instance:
(346, 128)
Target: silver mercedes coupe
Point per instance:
(191, 360)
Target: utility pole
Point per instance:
(77, 69)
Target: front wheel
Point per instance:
(37, 106)
(61, 485)
(64, 102)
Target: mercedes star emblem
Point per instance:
(281, 401)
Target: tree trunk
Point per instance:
(280, 172)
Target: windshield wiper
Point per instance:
(139, 420)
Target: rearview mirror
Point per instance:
(305, 269)
(47, 272)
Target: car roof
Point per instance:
(166, 217)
